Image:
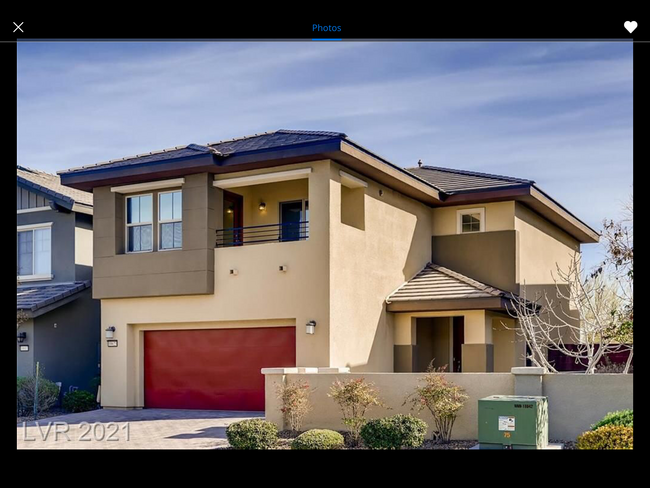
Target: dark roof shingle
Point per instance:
(256, 142)
(452, 181)
(33, 297)
(436, 282)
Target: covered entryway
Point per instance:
(443, 318)
(213, 369)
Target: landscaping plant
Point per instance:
(607, 437)
(442, 398)
(252, 434)
(394, 432)
(621, 417)
(294, 397)
(354, 397)
(48, 394)
(318, 439)
(79, 401)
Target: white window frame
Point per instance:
(172, 221)
(466, 211)
(31, 228)
(127, 225)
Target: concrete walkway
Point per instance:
(131, 429)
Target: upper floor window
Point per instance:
(471, 220)
(139, 223)
(35, 251)
(170, 220)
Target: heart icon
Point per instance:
(630, 26)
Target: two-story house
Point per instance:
(303, 248)
(58, 320)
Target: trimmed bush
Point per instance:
(318, 439)
(252, 434)
(394, 432)
(607, 438)
(48, 394)
(79, 401)
(621, 417)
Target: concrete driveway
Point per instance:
(131, 429)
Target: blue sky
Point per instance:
(557, 113)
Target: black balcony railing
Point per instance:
(259, 234)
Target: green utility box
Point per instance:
(513, 422)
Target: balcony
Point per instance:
(260, 234)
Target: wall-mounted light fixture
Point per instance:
(110, 332)
(262, 206)
(230, 210)
(21, 337)
(311, 327)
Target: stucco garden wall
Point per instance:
(576, 401)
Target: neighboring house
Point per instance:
(302, 248)
(54, 256)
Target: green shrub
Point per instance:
(320, 439)
(354, 398)
(252, 434)
(621, 417)
(606, 438)
(79, 401)
(394, 432)
(48, 394)
(442, 398)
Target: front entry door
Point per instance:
(233, 219)
(457, 341)
(291, 218)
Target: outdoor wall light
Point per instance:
(262, 206)
(311, 327)
(21, 337)
(110, 332)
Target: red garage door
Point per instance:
(216, 369)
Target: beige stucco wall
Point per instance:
(366, 265)
(576, 401)
(259, 293)
(83, 246)
(498, 216)
(509, 347)
(542, 246)
(393, 389)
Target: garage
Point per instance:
(213, 369)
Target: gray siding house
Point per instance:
(58, 320)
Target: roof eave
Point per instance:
(443, 305)
(168, 168)
(59, 200)
(535, 198)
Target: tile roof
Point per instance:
(51, 185)
(33, 297)
(452, 181)
(435, 282)
(255, 142)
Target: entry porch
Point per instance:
(444, 319)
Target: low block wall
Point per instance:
(575, 400)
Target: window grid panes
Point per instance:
(471, 223)
(35, 252)
(170, 215)
(139, 222)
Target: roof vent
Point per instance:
(419, 163)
